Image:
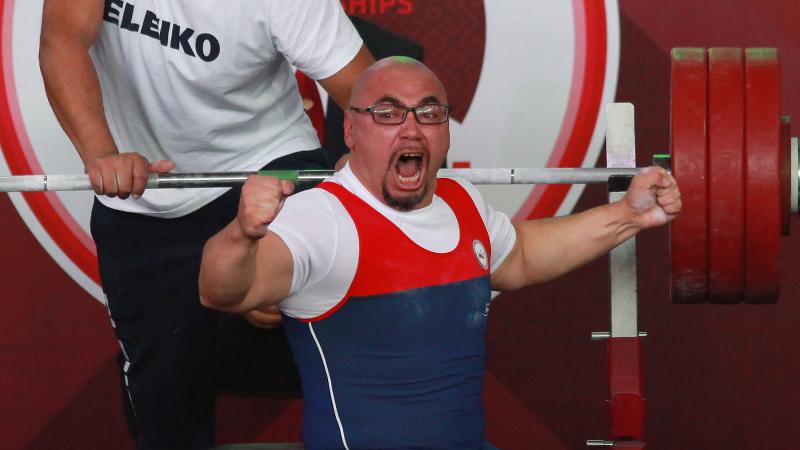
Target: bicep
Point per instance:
(532, 258)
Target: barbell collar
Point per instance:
(606, 335)
(599, 443)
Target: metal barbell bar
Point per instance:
(497, 176)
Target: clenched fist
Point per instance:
(262, 198)
(653, 197)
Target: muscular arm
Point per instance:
(244, 266)
(239, 274)
(69, 29)
(548, 248)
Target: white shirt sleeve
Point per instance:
(502, 234)
(307, 227)
(314, 35)
(324, 245)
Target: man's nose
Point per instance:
(410, 128)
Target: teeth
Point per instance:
(410, 179)
(407, 156)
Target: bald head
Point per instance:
(397, 157)
(378, 76)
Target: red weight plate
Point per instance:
(725, 175)
(762, 176)
(786, 174)
(688, 233)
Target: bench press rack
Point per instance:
(624, 341)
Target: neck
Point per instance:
(377, 190)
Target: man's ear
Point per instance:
(348, 130)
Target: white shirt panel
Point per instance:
(236, 111)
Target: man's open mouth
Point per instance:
(409, 168)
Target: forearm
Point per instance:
(73, 90)
(549, 248)
(228, 269)
(546, 249)
(577, 239)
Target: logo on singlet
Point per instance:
(205, 46)
(480, 254)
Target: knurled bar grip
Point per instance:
(80, 182)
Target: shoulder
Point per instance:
(294, 24)
(473, 193)
(309, 205)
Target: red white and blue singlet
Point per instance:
(398, 361)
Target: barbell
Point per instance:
(502, 176)
(73, 182)
(731, 152)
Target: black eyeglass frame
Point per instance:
(371, 110)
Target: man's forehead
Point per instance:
(406, 101)
(405, 87)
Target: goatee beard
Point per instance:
(404, 204)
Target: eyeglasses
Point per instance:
(395, 115)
